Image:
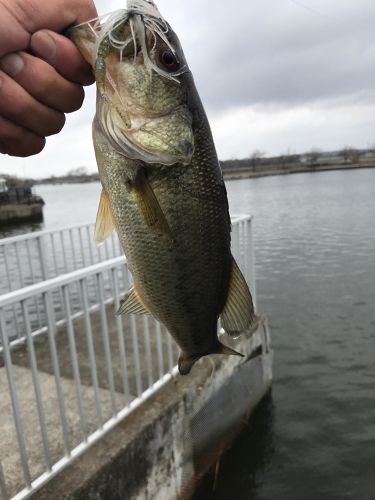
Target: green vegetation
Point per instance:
(258, 165)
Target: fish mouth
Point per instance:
(84, 37)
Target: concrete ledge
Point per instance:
(21, 213)
(164, 447)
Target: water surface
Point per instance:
(315, 252)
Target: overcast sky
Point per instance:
(274, 75)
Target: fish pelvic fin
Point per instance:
(104, 219)
(132, 304)
(150, 207)
(238, 314)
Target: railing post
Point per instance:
(251, 257)
(42, 257)
(3, 488)
(15, 402)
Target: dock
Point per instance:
(18, 203)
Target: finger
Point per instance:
(17, 141)
(20, 19)
(19, 107)
(63, 55)
(43, 82)
(56, 15)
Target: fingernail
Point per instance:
(43, 45)
(12, 64)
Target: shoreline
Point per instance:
(232, 173)
(238, 174)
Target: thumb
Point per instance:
(21, 18)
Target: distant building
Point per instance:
(3, 185)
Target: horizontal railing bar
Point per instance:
(65, 279)
(37, 234)
(235, 219)
(61, 322)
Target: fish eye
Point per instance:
(169, 60)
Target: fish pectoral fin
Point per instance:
(104, 219)
(151, 210)
(238, 314)
(132, 304)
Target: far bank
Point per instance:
(270, 170)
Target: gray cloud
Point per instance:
(274, 51)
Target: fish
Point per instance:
(163, 189)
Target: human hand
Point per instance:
(41, 71)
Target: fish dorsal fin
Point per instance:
(132, 304)
(238, 313)
(104, 219)
(151, 210)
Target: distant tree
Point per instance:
(286, 158)
(351, 155)
(355, 155)
(313, 155)
(283, 160)
(78, 172)
(293, 158)
(256, 156)
(345, 153)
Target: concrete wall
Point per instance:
(21, 213)
(162, 449)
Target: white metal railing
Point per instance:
(78, 369)
(38, 256)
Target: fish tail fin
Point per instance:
(224, 349)
(186, 363)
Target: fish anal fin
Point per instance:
(104, 219)
(151, 210)
(132, 304)
(238, 314)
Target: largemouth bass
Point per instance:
(163, 189)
